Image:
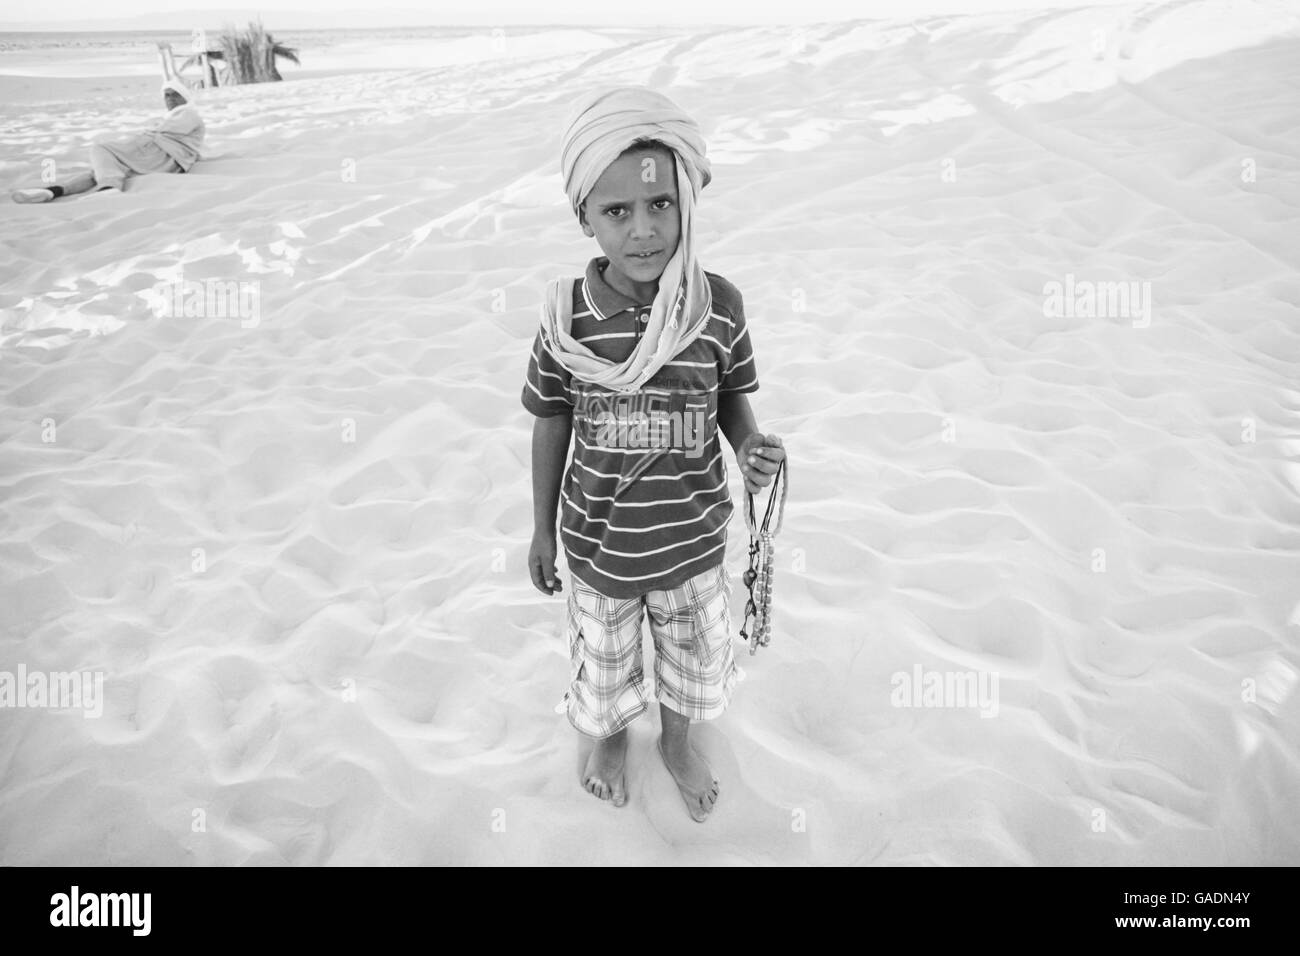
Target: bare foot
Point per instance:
(695, 779)
(32, 195)
(603, 776)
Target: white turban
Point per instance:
(603, 124)
(598, 129)
(176, 85)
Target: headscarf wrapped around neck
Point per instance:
(600, 127)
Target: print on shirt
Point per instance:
(667, 418)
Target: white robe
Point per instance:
(172, 146)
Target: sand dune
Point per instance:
(292, 535)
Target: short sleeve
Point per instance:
(740, 374)
(546, 389)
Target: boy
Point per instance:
(641, 362)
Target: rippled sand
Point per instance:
(292, 537)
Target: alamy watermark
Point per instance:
(1086, 299)
(75, 908)
(208, 299)
(945, 689)
(647, 421)
(56, 690)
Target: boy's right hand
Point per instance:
(541, 563)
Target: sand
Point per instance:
(291, 535)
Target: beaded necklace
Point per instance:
(758, 578)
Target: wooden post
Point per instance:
(165, 58)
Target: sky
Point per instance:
(165, 14)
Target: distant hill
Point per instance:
(216, 17)
(559, 13)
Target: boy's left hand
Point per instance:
(758, 458)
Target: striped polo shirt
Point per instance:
(644, 502)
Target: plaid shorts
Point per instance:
(695, 669)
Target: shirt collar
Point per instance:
(602, 298)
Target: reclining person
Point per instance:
(172, 146)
